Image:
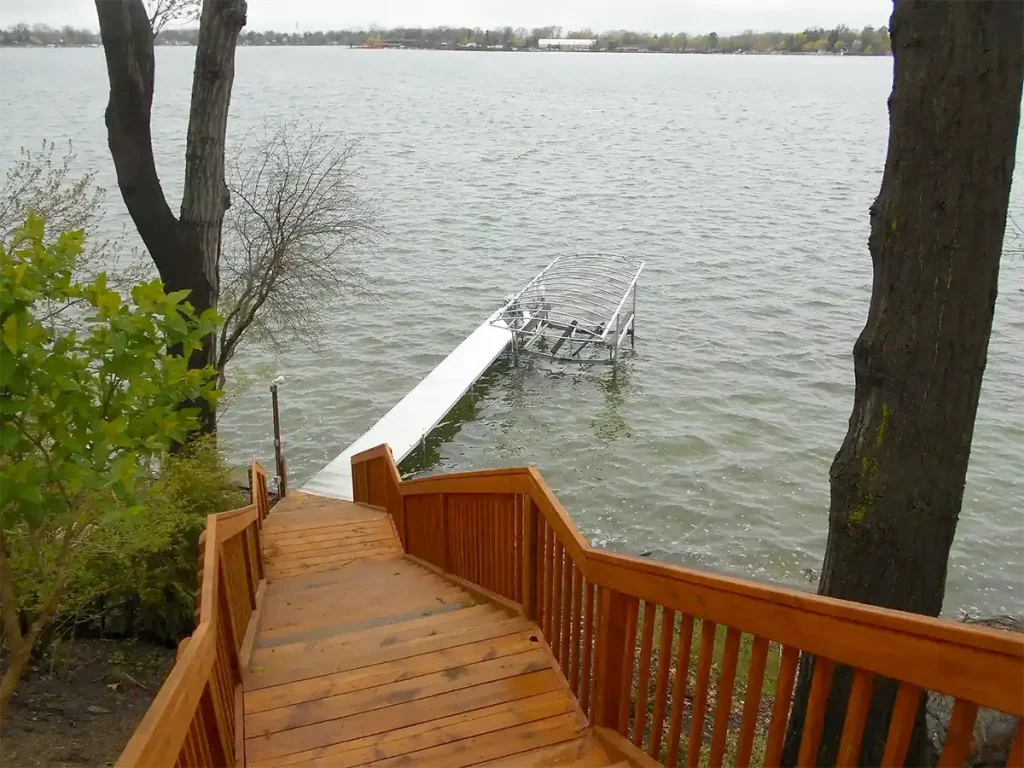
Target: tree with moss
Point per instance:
(84, 413)
(936, 239)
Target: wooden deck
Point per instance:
(362, 656)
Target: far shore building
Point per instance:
(566, 44)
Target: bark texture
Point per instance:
(936, 237)
(185, 249)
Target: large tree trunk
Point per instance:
(186, 250)
(937, 226)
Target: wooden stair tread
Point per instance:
(364, 657)
(584, 750)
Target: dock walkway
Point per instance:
(363, 656)
(408, 423)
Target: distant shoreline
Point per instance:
(481, 49)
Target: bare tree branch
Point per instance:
(47, 185)
(293, 237)
(162, 12)
(1013, 241)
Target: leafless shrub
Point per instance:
(293, 237)
(40, 182)
(45, 182)
(162, 12)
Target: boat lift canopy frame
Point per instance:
(578, 309)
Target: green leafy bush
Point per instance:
(136, 574)
(85, 411)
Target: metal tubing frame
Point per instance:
(562, 290)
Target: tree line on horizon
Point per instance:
(841, 39)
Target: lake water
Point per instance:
(744, 182)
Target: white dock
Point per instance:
(405, 425)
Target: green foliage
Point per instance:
(136, 575)
(85, 411)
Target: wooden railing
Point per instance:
(645, 646)
(196, 716)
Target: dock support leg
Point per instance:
(632, 323)
(278, 458)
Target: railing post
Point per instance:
(613, 669)
(529, 571)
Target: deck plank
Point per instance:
(431, 733)
(364, 657)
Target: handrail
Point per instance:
(193, 720)
(504, 530)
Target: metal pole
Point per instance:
(632, 324)
(278, 460)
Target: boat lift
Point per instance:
(578, 309)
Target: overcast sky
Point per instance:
(722, 16)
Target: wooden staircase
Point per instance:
(462, 620)
(362, 656)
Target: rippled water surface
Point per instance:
(743, 181)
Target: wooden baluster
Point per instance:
(461, 527)
(780, 708)
(494, 550)
(856, 715)
(566, 612)
(494, 558)
(469, 535)
(616, 642)
(726, 681)
(445, 564)
(668, 620)
(628, 656)
(518, 533)
(531, 561)
(516, 521)
(644, 679)
(500, 545)
(957, 747)
(188, 756)
(455, 536)
(509, 546)
(490, 548)
(251, 580)
(574, 640)
(901, 725)
(556, 599)
(814, 718)
(480, 543)
(521, 544)
(482, 555)
(675, 723)
(588, 640)
(752, 700)
(215, 729)
(549, 556)
(258, 545)
(700, 692)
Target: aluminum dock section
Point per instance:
(405, 425)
